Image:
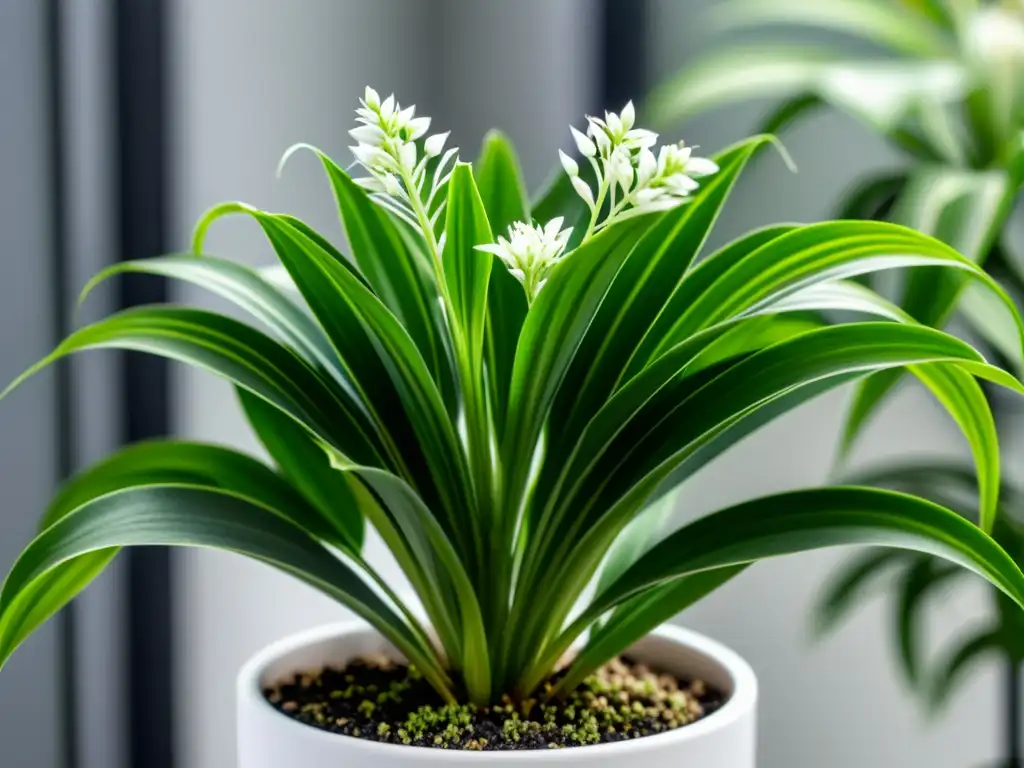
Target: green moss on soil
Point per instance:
(376, 699)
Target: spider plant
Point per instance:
(917, 579)
(943, 82)
(512, 413)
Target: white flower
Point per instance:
(386, 147)
(584, 191)
(586, 147)
(620, 168)
(631, 178)
(570, 166)
(529, 253)
(646, 167)
(618, 131)
(435, 144)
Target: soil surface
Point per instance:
(376, 699)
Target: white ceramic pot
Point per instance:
(269, 739)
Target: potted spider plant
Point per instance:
(511, 413)
(943, 82)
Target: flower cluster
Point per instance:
(398, 167)
(630, 178)
(393, 146)
(531, 252)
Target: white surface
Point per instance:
(268, 739)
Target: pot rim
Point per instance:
(740, 703)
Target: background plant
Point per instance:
(508, 412)
(943, 81)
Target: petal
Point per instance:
(371, 98)
(647, 167)
(406, 115)
(368, 134)
(681, 184)
(568, 164)
(387, 107)
(701, 166)
(583, 143)
(640, 138)
(435, 144)
(614, 123)
(583, 190)
(494, 248)
(370, 183)
(552, 227)
(391, 185)
(407, 154)
(370, 156)
(628, 115)
(418, 127)
(648, 195)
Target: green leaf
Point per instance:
(873, 197)
(638, 617)
(499, 180)
(664, 423)
(922, 578)
(431, 548)
(649, 423)
(877, 21)
(163, 462)
(636, 538)
(466, 270)
(881, 93)
(768, 265)
(467, 273)
(848, 588)
(399, 276)
(988, 320)
(247, 289)
(800, 521)
(636, 296)
(964, 209)
(787, 113)
(554, 328)
(384, 363)
(840, 296)
(307, 465)
(236, 352)
(964, 400)
(954, 668)
(187, 516)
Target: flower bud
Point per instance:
(569, 164)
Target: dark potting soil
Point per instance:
(376, 699)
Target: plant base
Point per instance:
(269, 737)
(376, 699)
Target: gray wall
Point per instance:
(28, 684)
(30, 712)
(254, 76)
